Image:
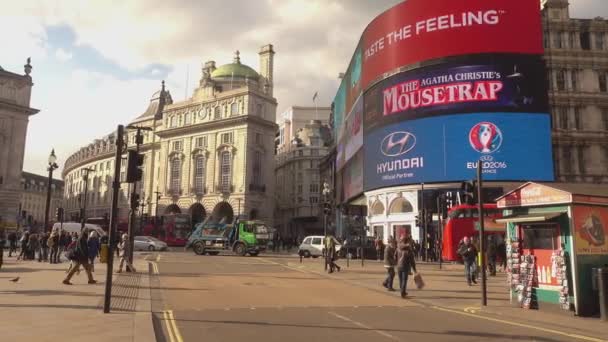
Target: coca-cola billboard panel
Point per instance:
(420, 30)
(497, 84)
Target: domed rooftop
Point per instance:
(235, 69)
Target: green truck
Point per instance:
(243, 237)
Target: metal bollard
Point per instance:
(602, 287)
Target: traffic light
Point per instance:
(59, 214)
(134, 201)
(327, 208)
(419, 222)
(469, 190)
(428, 217)
(135, 161)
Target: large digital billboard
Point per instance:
(419, 30)
(510, 146)
(501, 83)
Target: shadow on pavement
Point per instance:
(449, 332)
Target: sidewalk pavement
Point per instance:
(447, 288)
(38, 307)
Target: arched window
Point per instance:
(400, 205)
(377, 208)
(175, 175)
(234, 108)
(225, 170)
(199, 174)
(217, 113)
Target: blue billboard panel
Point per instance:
(511, 146)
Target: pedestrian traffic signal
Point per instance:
(469, 192)
(134, 201)
(59, 214)
(135, 161)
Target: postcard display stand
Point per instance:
(559, 270)
(521, 274)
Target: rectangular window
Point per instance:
(234, 108)
(314, 188)
(556, 160)
(563, 117)
(199, 174)
(572, 40)
(565, 160)
(557, 40)
(585, 41)
(546, 39)
(257, 168)
(561, 79)
(226, 171)
(300, 153)
(172, 121)
(300, 188)
(314, 200)
(300, 177)
(217, 113)
(599, 40)
(574, 79)
(177, 146)
(187, 119)
(602, 81)
(580, 151)
(314, 152)
(540, 237)
(175, 175)
(227, 138)
(258, 139)
(549, 76)
(605, 117)
(201, 142)
(577, 118)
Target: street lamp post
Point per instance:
(52, 166)
(83, 214)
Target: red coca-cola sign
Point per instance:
(418, 30)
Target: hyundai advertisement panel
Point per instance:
(511, 146)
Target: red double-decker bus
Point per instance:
(461, 222)
(173, 229)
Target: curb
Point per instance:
(143, 328)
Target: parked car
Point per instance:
(149, 243)
(76, 227)
(312, 246)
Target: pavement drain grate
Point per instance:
(125, 291)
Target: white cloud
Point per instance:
(63, 55)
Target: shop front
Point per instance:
(556, 234)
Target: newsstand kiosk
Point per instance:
(556, 235)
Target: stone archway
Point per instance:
(173, 209)
(197, 213)
(222, 211)
(254, 214)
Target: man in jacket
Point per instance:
(81, 257)
(468, 251)
(389, 263)
(53, 243)
(43, 254)
(12, 239)
(405, 262)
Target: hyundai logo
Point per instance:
(397, 143)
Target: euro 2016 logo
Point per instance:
(485, 137)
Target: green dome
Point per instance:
(235, 69)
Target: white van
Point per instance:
(74, 227)
(313, 246)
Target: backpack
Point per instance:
(50, 242)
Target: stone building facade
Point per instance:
(211, 154)
(576, 53)
(33, 199)
(300, 149)
(15, 111)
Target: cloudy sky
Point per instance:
(96, 63)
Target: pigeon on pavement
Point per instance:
(14, 280)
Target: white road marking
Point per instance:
(366, 327)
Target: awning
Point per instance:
(528, 218)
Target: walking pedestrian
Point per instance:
(12, 240)
(330, 253)
(492, 251)
(405, 262)
(125, 248)
(33, 246)
(93, 245)
(468, 251)
(379, 246)
(80, 256)
(25, 238)
(43, 255)
(53, 244)
(389, 263)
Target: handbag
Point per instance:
(418, 281)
